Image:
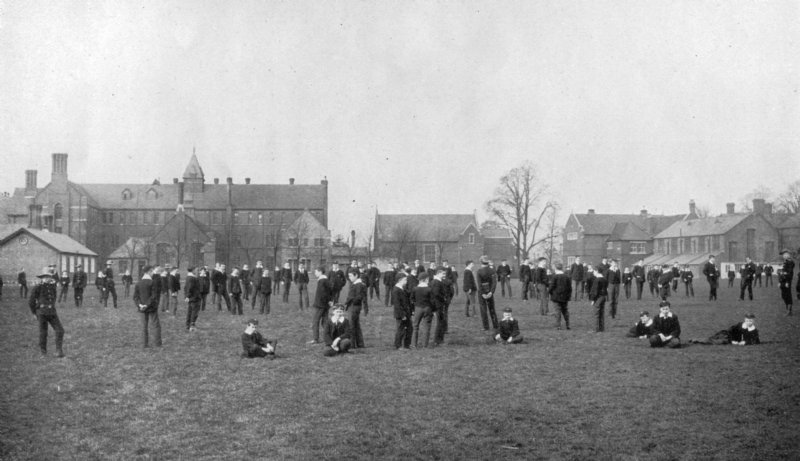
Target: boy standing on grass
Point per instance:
(666, 328)
(236, 291)
(598, 297)
(145, 295)
(402, 313)
(322, 302)
(508, 329)
(664, 281)
(43, 307)
(264, 291)
(191, 290)
(643, 328)
(356, 300)
(337, 333)
(785, 276)
(560, 292)
(64, 283)
(254, 344)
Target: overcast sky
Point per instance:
(416, 107)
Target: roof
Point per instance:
(310, 225)
(498, 233)
(428, 227)
(603, 224)
(15, 204)
(716, 225)
(786, 221)
(193, 169)
(134, 247)
(59, 242)
(628, 232)
(683, 259)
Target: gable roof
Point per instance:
(193, 169)
(604, 224)
(305, 219)
(59, 242)
(628, 232)
(499, 233)
(429, 227)
(716, 225)
(134, 247)
(170, 223)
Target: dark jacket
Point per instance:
(286, 275)
(356, 294)
(577, 272)
(146, 292)
(668, 326)
(614, 277)
(323, 294)
(301, 277)
(539, 275)
(79, 279)
(739, 333)
(402, 309)
(43, 297)
(265, 285)
(438, 294)
(423, 297)
(509, 328)
(468, 282)
(638, 273)
(599, 288)
(191, 288)
(711, 272)
(337, 330)
(253, 343)
(487, 282)
(524, 273)
(503, 272)
(388, 278)
(560, 288)
(642, 329)
(748, 272)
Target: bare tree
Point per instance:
(702, 211)
(519, 203)
(273, 235)
(440, 238)
(135, 248)
(405, 238)
(368, 244)
(761, 191)
(491, 224)
(298, 237)
(789, 201)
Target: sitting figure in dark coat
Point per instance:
(338, 333)
(666, 328)
(643, 328)
(508, 329)
(254, 344)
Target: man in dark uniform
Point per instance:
(731, 277)
(235, 289)
(504, 277)
(301, 280)
(222, 288)
(79, 280)
(785, 275)
(712, 275)
(374, 277)
(244, 276)
(439, 296)
(687, 278)
(43, 307)
(627, 279)
(468, 284)
(539, 275)
(614, 278)
(205, 287)
(255, 282)
(191, 290)
(164, 289)
(127, 281)
(768, 275)
(576, 273)
(22, 280)
(174, 289)
(525, 278)
(286, 281)
(322, 302)
(276, 283)
(110, 290)
(145, 295)
(748, 272)
(388, 283)
(338, 281)
(560, 291)
(487, 284)
(63, 282)
(639, 277)
(356, 297)
(759, 271)
(598, 296)
(402, 313)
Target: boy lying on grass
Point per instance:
(254, 344)
(643, 328)
(741, 334)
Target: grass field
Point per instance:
(562, 395)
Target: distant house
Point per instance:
(730, 237)
(34, 249)
(627, 237)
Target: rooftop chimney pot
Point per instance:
(247, 180)
(216, 180)
(291, 180)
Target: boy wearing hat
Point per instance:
(145, 295)
(110, 290)
(337, 333)
(508, 330)
(643, 328)
(254, 344)
(560, 292)
(63, 282)
(43, 306)
(487, 283)
(785, 276)
(78, 284)
(666, 328)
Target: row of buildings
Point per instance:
(685, 239)
(190, 222)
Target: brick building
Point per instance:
(33, 249)
(184, 222)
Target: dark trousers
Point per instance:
(747, 284)
(375, 289)
(577, 288)
(127, 289)
(441, 326)
(355, 322)
(613, 293)
(173, 300)
(286, 287)
(23, 291)
(302, 294)
(320, 314)
(712, 286)
(403, 333)
(386, 295)
(544, 299)
(627, 287)
(62, 296)
(335, 295)
(113, 293)
(264, 305)
(77, 293)
(424, 316)
(487, 307)
(689, 289)
(562, 311)
(730, 283)
(768, 281)
(600, 313)
(525, 288)
(639, 289)
(757, 281)
(653, 288)
(223, 294)
(236, 299)
(470, 302)
(192, 310)
(344, 346)
(203, 301)
(503, 283)
(673, 343)
(253, 299)
(675, 284)
(51, 319)
(663, 291)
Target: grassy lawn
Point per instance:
(562, 395)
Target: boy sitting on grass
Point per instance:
(667, 329)
(337, 333)
(643, 328)
(508, 329)
(254, 344)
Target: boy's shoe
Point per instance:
(274, 347)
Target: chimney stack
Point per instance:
(767, 208)
(216, 180)
(692, 207)
(591, 211)
(643, 213)
(758, 205)
(174, 180)
(352, 238)
(230, 191)
(291, 180)
(30, 183)
(247, 180)
(730, 206)
(180, 193)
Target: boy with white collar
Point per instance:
(254, 344)
(745, 333)
(508, 329)
(643, 328)
(337, 333)
(667, 329)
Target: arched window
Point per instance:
(127, 194)
(58, 211)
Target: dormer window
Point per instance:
(151, 194)
(127, 194)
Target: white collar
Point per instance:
(322, 277)
(649, 322)
(357, 281)
(669, 314)
(147, 277)
(751, 328)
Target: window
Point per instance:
(123, 265)
(472, 238)
(235, 216)
(570, 260)
(131, 217)
(147, 216)
(293, 242)
(127, 194)
(694, 245)
(103, 218)
(140, 217)
(769, 251)
(318, 242)
(271, 218)
(681, 245)
(249, 218)
(572, 236)
(260, 218)
(156, 217)
(115, 240)
(305, 242)
(429, 252)
(609, 246)
(638, 248)
(58, 211)
(733, 251)
(151, 194)
(216, 217)
(668, 246)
